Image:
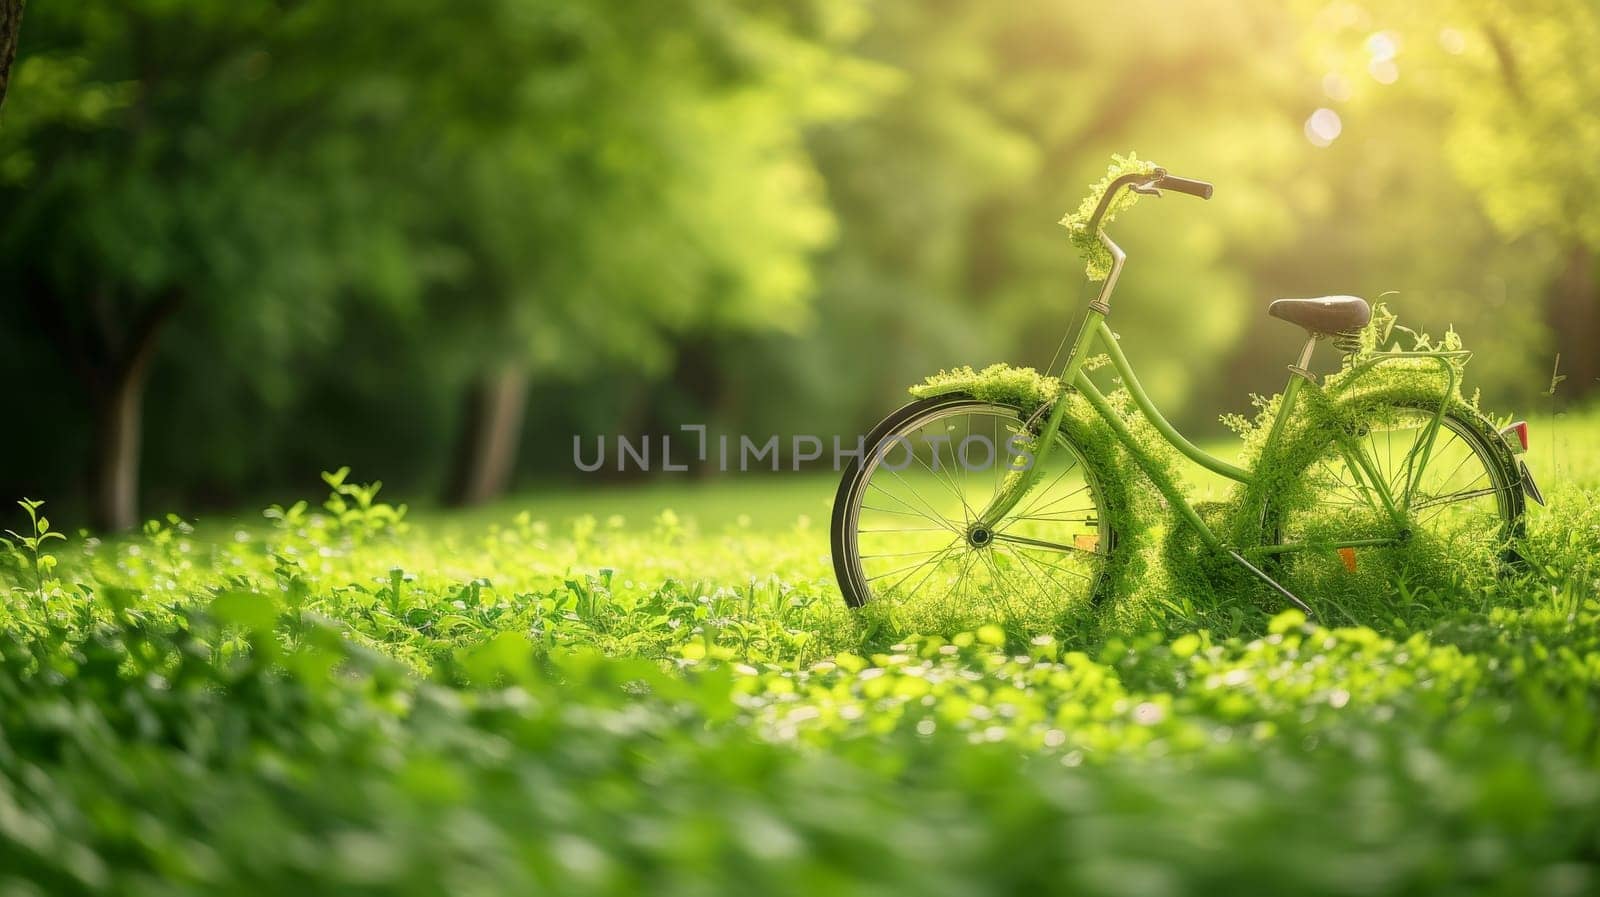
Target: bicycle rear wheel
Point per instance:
(1450, 508)
(905, 532)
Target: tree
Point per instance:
(647, 181)
(192, 160)
(10, 28)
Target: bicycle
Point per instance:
(1352, 467)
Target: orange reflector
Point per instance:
(1090, 542)
(1348, 555)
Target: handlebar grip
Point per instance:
(1185, 185)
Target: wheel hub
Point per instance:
(980, 536)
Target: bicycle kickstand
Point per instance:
(1272, 582)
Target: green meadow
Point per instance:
(658, 690)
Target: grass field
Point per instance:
(657, 690)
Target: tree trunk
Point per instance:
(118, 431)
(1574, 317)
(117, 386)
(10, 25)
(486, 451)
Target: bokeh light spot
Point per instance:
(1382, 45)
(1323, 127)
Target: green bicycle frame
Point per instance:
(1097, 334)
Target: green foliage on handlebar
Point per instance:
(1097, 261)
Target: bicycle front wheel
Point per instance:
(906, 535)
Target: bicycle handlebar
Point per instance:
(1149, 182)
(1184, 185)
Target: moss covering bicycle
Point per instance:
(1008, 487)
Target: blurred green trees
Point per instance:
(1519, 84)
(633, 176)
(436, 240)
(538, 183)
(188, 160)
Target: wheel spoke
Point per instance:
(999, 580)
(1043, 590)
(911, 513)
(1056, 567)
(931, 570)
(1072, 515)
(1456, 497)
(931, 513)
(947, 479)
(1039, 495)
(917, 565)
(1039, 543)
(900, 554)
(1045, 568)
